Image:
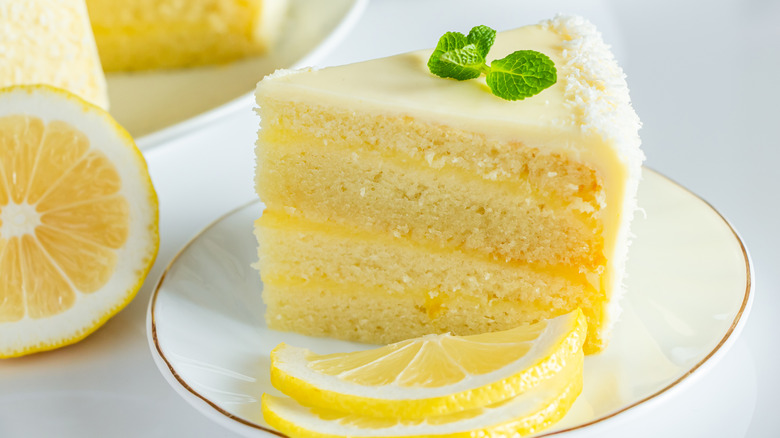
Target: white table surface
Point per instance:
(703, 78)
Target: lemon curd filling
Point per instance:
(400, 204)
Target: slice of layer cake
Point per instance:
(148, 34)
(50, 42)
(399, 203)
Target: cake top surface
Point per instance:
(406, 82)
(590, 97)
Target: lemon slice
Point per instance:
(431, 375)
(527, 413)
(78, 219)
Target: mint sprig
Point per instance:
(521, 74)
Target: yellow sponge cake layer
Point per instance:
(404, 193)
(369, 191)
(148, 34)
(301, 260)
(400, 204)
(368, 315)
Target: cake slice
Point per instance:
(149, 34)
(50, 42)
(399, 203)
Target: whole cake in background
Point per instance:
(400, 204)
(149, 34)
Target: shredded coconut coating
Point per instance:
(595, 86)
(596, 89)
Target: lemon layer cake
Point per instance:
(147, 34)
(50, 42)
(399, 203)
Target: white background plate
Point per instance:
(689, 293)
(158, 105)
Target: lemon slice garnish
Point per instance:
(431, 375)
(527, 413)
(78, 219)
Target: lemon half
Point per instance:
(78, 219)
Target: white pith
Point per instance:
(16, 220)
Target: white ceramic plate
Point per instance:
(159, 105)
(689, 293)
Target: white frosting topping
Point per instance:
(590, 97)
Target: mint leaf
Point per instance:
(483, 37)
(455, 57)
(462, 64)
(522, 74)
(449, 41)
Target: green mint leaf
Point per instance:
(449, 41)
(462, 64)
(483, 37)
(522, 74)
